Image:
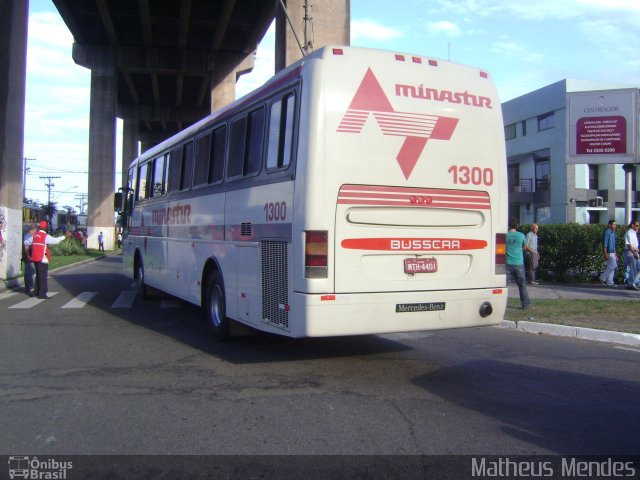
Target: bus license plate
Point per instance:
(420, 265)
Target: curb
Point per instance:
(582, 333)
(19, 282)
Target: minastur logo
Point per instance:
(417, 128)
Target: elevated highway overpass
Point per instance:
(159, 66)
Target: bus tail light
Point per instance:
(316, 253)
(501, 253)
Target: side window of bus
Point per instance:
(159, 186)
(280, 139)
(142, 182)
(218, 149)
(175, 163)
(187, 166)
(245, 144)
(201, 168)
(255, 141)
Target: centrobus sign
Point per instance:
(603, 126)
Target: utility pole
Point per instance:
(49, 186)
(25, 170)
(82, 198)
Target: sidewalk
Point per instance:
(577, 291)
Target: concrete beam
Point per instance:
(155, 113)
(170, 61)
(13, 61)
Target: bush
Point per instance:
(573, 252)
(68, 246)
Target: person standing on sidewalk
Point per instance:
(531, 255)
(515, 261)
(29, 267)
(101, 242)
(630, 255)
(609, 248)
(40, 257)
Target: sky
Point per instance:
(524, 45)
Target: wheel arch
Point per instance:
(211, 266)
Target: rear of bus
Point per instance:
(401, 195)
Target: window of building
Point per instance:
(546, 121)
(543, 174)
(513, 174)
(543, 215)
(593, 177)
(510, 132)
(524, 128)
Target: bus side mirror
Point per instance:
(117, 202)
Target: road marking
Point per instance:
(629, 349)
(80, 301)
(169, 303)
(125, 299)
(31, 302)
(7, 295)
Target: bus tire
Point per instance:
(139, 274)
(214, 307)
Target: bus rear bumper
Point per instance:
(388, 312)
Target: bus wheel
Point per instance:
(139, 274)
(214, 308)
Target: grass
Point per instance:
(617, 315)
(58, 261)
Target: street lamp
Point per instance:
(70, 188)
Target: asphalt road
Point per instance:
(98, 371)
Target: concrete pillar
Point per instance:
(14, 15)
(130, 138)
(102, 149)
(331, 26)
(224, 84)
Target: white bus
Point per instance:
(358, 191)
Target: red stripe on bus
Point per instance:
(414, 244)
(414, 191)
(382, 203)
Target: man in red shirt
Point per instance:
(40, 255)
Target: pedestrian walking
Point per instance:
(609, 249)
(515, 261)
(119, 239)
(101, 242)
(40, 255)
(630, 255)
(531, 255)
(29, 267)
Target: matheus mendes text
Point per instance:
(506, 467)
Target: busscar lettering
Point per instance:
(426, 93)
(178, 215)
(425, 244)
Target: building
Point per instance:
(543, 186)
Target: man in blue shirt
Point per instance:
(515, 261)
(610, 256)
